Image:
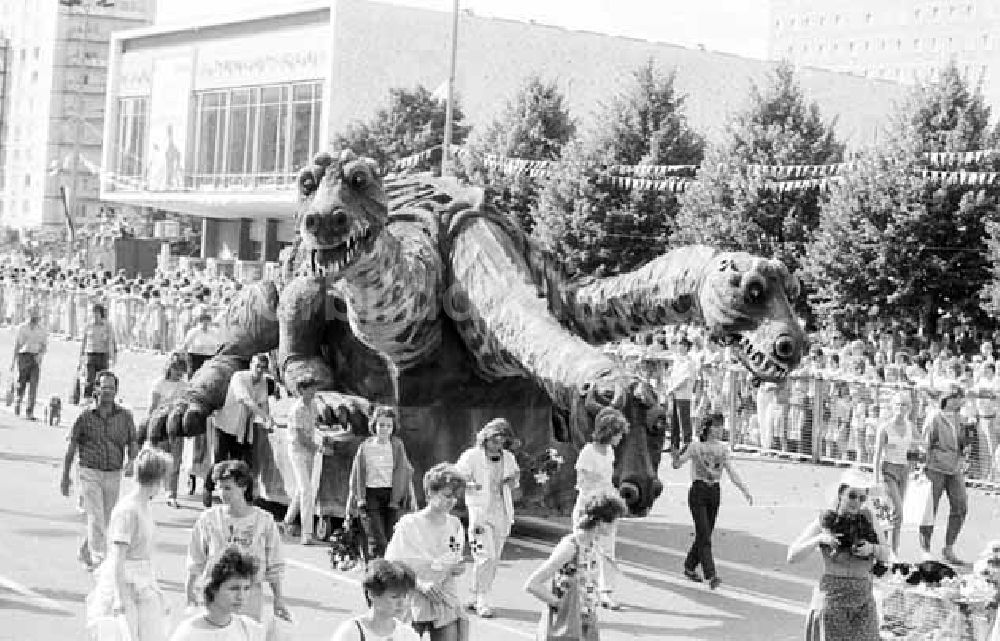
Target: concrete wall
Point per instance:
(379, 46)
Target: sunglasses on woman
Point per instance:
(857, 496)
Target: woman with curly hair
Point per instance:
(567, 581)
(381, 480)
(227, 590)
(492, 472)
(430, 542)
(843, 605)
(126, 583)
(595, 467)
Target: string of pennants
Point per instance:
(780, 178)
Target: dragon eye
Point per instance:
(753, 290)
(358, 179)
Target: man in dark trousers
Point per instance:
(98, 350)
(29, 347)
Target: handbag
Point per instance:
(918, 504)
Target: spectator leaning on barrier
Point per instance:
(30, 344)
(946, 450)
(104, 436)
(246, 400)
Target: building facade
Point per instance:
(902, 40)
(53, 105)
(215, 117)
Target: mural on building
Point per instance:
(168, 122)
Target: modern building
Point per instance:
(53, 104)
(906, 41)
(214, 117)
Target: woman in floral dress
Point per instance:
(567, 582)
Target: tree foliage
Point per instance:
(730, 206)
(411, 121)
(894, 246)
(535, 125)
(595, 226)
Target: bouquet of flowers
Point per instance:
(547, 464)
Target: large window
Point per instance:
(130, 142)
(255, 136)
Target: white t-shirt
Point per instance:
(594, 462)
(199, 341)
(683, 374)
(378, 463)
(241, 628)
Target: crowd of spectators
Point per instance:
(151, 313)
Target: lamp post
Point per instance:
(449, 111)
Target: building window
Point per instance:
(986, 41)
(850, 46)
(916, 44)
(37, 52)
(256, 136)
(916, 15)
(822, 20)
(934, 13)
(836, 19)
(130, 141)
(899, 44)
(868, 18)
(27, 180)
(777, 24)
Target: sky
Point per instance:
(732, 26)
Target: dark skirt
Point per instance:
(842, 609)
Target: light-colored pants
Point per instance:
(304, 500)
(487, 542)
(100, 494)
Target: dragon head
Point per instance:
(745, 302)
(342, 211)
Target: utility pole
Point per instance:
(449, 111)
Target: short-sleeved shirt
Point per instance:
(594, 462)
(32, 338)
(98, 338)
(134, 527)
(241, 628)
(103, 442)
(708, 460)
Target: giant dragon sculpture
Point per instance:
(429, 298)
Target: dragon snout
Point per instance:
(333, 224)
(638, 501)
(784, 347)
(630, 493)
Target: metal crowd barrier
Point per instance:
(823, 419)
(138, 323)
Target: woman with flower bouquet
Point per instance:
(568, 581)
(430, 542)
(491, 473)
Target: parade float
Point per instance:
(420, 293)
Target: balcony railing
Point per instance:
(270, 181)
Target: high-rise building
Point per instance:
(903, 40)
(52, 112)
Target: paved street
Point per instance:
(42, 589)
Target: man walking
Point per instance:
(29, 347)
(246, 399)
(98, 350)
(104, 435)
(947, 453)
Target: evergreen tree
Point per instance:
(411, 122)
(596, 226)
(730, 206)
(535, 125)
(915, 248)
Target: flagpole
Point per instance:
(449, 113)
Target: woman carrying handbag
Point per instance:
(567, 582)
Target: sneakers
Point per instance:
(608, 602)
(480, 606)
(714, 582)
(692, 575)
(948, 555)
(172, 502)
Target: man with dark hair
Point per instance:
(104, 436)
(246, 400)
(29, 347)
(98, 350)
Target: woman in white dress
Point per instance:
(228, 589)
(126, 581)
(595, 467)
